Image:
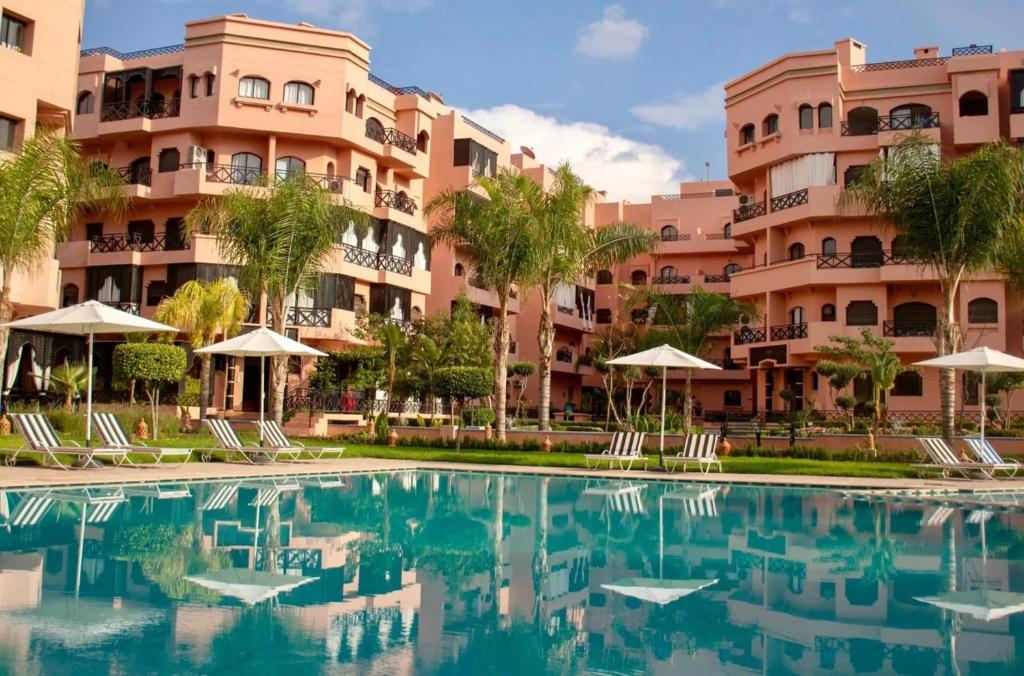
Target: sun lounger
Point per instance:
(700, 450)
(985, 453)
(269, 490)
(220, 497)
(696, 501)
(625, 498)
(40, 439)
(158, 491)
(626, 448)
(29, 509)
(946, 460)
(274, 437)
(937, 516)
(229, 442)
(113, 436)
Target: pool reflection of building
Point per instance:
(807, 581)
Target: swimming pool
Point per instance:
(465, 573)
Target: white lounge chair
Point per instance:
(937, 516)
(696, 501)
(626, 448)
(228, 439)
(624, 498)
(27, 511)
(220, 497)
(985, 453)
(946, 460)
(269, 490)
(700, 450)
(113, 436)
(40, 439)
(274, 437)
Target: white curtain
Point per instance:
(565, 295)
(420, 258)
(398, 248)
(109, 292)
(370, 242)
(350, 238)
(803, 172)
(12, 370)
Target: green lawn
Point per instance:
(741, 465)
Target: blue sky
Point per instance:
(629, 92)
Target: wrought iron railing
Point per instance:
(565, 310)
(123, 305)
(748, 211)
(872, 259)
(136, 175)
(715, 279)
(788, 331)
(127, 56)
(972, 50)
(908, 121)
(226, 173)
(391, 263)
(397, 91)
(789, 200)
(482, 129)
(909, 328)
(395, 200)
(308, 316)
(899, 65)
(149, 108)
(390, 136)
(671, 279)
(332, 184)
(715, 235)
(748, 335)
(675, 237)
(564, 356)
(133, 241)
(367, 259)
(378, 261)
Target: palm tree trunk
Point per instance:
(6, 313)
(497, 570)
(279, 363)
(688, 402)
(545, 341)
(204, 385)
(947, 345)
(501, 340)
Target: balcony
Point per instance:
(564, 355)
(123, 305)
(749, 211)
(319, 317)
(378, 261)
(226, 173)
(136, 175)
(909, 328)
(395, 200)
(671, 279)
(749, 336)
(390, 136)
(716, 279)
(789, 200)
(868, 259)
(133, 241)
(152, 109)
(890, 123)
(675, 237)
(972, 50)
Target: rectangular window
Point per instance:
(93, 231)
(156, 292)
(13, 33)
(168, 160)
(1017, 91)
(8, 129)
(908, 384)
(209, 84)
(193, 86)
(604, 316)
(732, 398)
(861, 313)
(852, 173)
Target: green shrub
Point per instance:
(155, 365)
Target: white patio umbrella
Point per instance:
(666, 357)
(980, 360)
(249, 586)
(262, 342)
(88, 319)
(655, 590)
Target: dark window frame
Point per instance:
(824, 115)
(17, 29)
(168, 160)
(988, 308)
(862, 307)
(8, 139)
(908, 384)
(806, 116)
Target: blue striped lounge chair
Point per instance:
(113, 436)
(27, 510)
(274, 437)
(700, 450)
(985, 453)
(41, 440)
(625, 449)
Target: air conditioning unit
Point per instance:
(195, 155)
(746, 199)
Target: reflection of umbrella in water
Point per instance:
(657, 591)
(249, 586)
(78, 623)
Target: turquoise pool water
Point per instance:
(458, 573)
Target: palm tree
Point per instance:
(952, 215)
(495, 236)
(70, 379)
(392, 342)
(42, 191)
(690, 323)
(425, 359)
(568, 251)
(281, 237)
(205, 310)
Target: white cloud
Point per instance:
(353, 15)
(686, 111)
(624, 167)
(800, 15)
(613, 36)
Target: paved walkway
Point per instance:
(22, 477)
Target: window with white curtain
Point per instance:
(803, 172)
(298, 92)
(565, 295)
(254, 88)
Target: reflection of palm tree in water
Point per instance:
(950, 621)
(497, 570)
(541, 566)
(271, 536)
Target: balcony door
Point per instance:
(866, 252)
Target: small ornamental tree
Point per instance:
(461, 384)
(520, 373)
(153, 364)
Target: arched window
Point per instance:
(770, 125)
(727, 231)
(69, 295)
(731, 269)
(287, 167)
(638, 278)
(363, 178)
(350, 101)
(85, 104)
(746, 134)
(460, 270)
(246, 168)
(422, 141)
(360, 102)
(139, 172)
(899, 248)
(828, 246)
(417, 314)
(861, 121)
(797, 315)
(668, 272)
(914, 319)
(193, 86)
(973, 104)
(210, 79)
(910, 116)
(828, 312)
(298, 92)
(669, 233)
(254, 87)
(375, 130)
(982, 311)
(796, 251)
(806, 116)
(866, 252)
(604, 277)
(861, 313)
(825, 116)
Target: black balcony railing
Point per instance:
(748, 335)
(675, 237)
(390, 136)
(748, 211)
(307, 316)
(788, 331)
(909, 328)
(123, 305)
(565, 310)
(907, 122)
(715, 279)
(226, 173)
(378, 261)
(332, 184)
(564, 356)
(898, 65)
(671, 279)
(395, 200)
(134, 241)
(867, 259)
(972, 50)
(150, 108)
(136, 175)
(789, 200)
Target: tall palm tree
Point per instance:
(690, 323)
(951, 215)
(205, 310)
(281, 237)
(567, 251)
(42, 191)
(495, 236)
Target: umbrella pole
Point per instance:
(263, 395)
(661, 443)
(88, 399)
(81, 550)
(981, 402)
